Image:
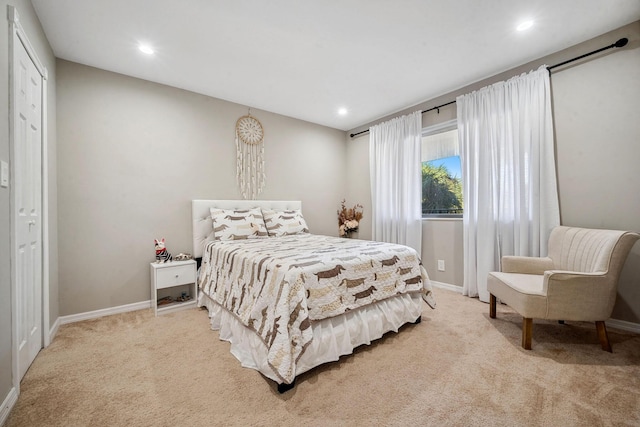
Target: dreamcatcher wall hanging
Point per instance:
(250, 161)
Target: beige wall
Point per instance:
(595, 106)
(358, 181)
(32, 28)
(442, 240)
(133, 154)
(597, 126)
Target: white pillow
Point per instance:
(236, 224)
(282, 223)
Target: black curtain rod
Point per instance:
(424, 111)
(620, 43)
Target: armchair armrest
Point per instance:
(554, 278)
(574, 295)
(526, 265)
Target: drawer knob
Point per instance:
(176, 276)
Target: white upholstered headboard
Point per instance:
(201, 217)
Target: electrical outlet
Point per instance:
(4, 174)
(440, 265)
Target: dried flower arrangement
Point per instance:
(349, 219)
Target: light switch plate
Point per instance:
(4, 174)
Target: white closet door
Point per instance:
(27, 186)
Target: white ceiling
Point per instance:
(305, 59)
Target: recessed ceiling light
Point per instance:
(524, 25)
(144, 48)
(342, 111)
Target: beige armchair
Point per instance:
(577, 281)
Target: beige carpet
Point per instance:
(457, 367)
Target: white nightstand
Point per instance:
(172, 279)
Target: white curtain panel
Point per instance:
(396, 174)
(510, 193)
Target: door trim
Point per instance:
(18, 35)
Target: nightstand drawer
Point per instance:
(175, 275)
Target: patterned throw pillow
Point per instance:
(231, 224)
(282, 223)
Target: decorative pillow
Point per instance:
(231, 224)
(282, 223)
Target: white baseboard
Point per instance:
(447, 286)
(614, 323)
(104, 312)
(7, 405)
(53, 331)
(624, 325)
(63, 320)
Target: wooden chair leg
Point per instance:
(492, 306)
(527, 330)
(603, 336)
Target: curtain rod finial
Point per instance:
(622, 42)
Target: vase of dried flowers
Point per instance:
(349, 219)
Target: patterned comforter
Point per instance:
(277, 286)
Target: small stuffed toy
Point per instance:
(182, 257)
(162, 255)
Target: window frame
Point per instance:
(434, 130)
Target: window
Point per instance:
(441, 172)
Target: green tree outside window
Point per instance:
(441, 192)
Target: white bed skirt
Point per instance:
(332, 338)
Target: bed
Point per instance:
(287, 300)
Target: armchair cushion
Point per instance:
(523, 292)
